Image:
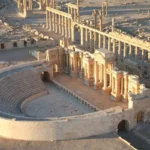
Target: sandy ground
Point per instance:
(56, 104)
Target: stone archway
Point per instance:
(140, 116)
(123, 126)
(55, 69)
(2, 46)
(25, 43)
(15, 44)
(45, 76)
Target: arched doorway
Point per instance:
(140, 116)
(2, 46)
(33, 42)
(45, 76)
(15, 44)
(123, 126)
(25, 43)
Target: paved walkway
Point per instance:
(95, 97)
(108, 142)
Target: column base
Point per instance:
(98, 86)
(66, 70)
(81, 75)
(74, 74)
(89, 82)
(116, 97)
(107, 90)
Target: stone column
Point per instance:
(82, 36)
(125, 86)
(86, 39)
(114, 46)
(74, 12)
(19, 5)
(142, 61)
(54, 26)
(106, 8)
(62, 25)
(69, 28)
(125, 50)
(95, 41)
(100, 41)
(25, 7)
(50, 21)
(130, 52)
(47, 19)
(119, 51)
(113, 24)
(136, 54)
(91, 43)
(109, 44)
(30, 4)
(66, 27)
(72, 34)
(105, 78)
(78, 10)
(56, 23)
(101, 21)
(104, 41)
(95, 18)
(96, 76)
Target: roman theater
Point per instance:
(71, 77)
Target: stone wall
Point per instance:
(64, 128)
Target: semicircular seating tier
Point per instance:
(16, 86)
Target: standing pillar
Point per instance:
(95, 18)
(69, 28)
(30, 4)
(100, 41)
(142, 61)
(50, 21)
(119, 51)
(66, 27)
(105, 77)
(82, 36)
(25, 7)
(130, 52)
(106, 8)
(56, 23)
(47, 19)
(62, 25)
(72, 34)
(113, 24)
(104, 41)
(91, 43)
(78, 10)
(101, 21)
(136, 54)
(59, 24)
(125, 50)
(19, 5)
(114, 46)
(95, 40)
(109, 43)
(86, 39)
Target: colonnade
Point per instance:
(124, 47)
(59, 23)
(74, 11)
(23, 5)
(105, 8)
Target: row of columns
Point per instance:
(59, 24)
(24, 6)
